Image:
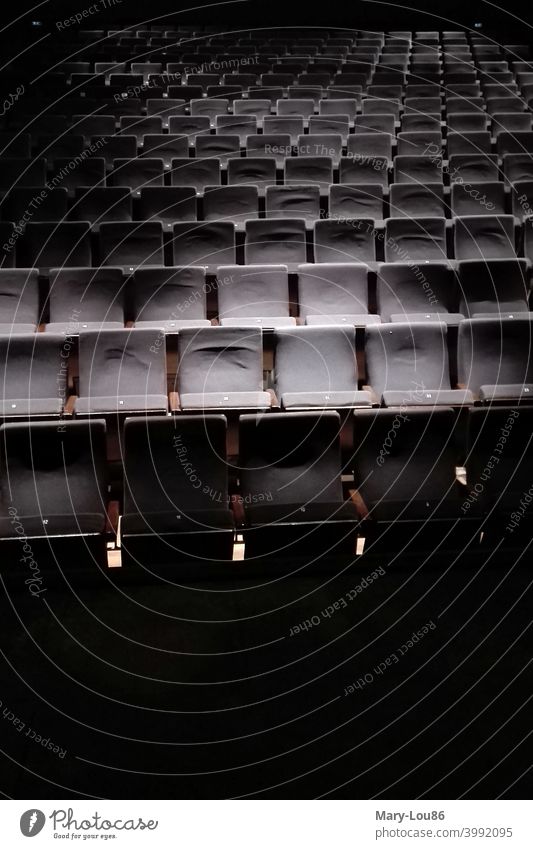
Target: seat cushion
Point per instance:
(31, 407)
(361, 320)
(127, 403)
(450, 318)
(268, 321)
(429, 398)
(176, 522)
(225, 400)
(506, 392)
(305, 400)
(52, 525)
(316, 512)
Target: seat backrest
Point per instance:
(158, 453)
(253, 291)
(315, 359)
(407, 357)
(32, 366)
(19, 296)
(494, 351)
(498, 285)
(484, 237)
(78, 295)
(290, 458)
(115, 363)
(332, 289)
(404, 288)
(169, 293)
(220, 359)
(49, 470)
(418, 464)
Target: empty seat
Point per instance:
(137, 173)
(252, 171)
(93, 125)
(418, 169)
(473, 167)
(467, 142)
(296, 107)
(195, 172)
(314, 170)
(170, 298)
(19, 300)
(164, 108)
(498, 286)
(293, 202)
(275, 145)
(413, 123)
(208, 244)
(33, 374)
(46, 206)
(221, 368)
(374, 124)
(477, 198)
(518, 167)
(47, 244)
(98, 204)
(290, 474)
(55, 480)
(131, 244)
(115, 147)
(407, 364)
(515, 142)
(498, 473)
(334, 293)
(274, 241)
(256, 295)
(511, 122)
(218, 147)
(258, 108)
(494, 358)
(364, 201)
(230, 203)
(368, 146)
(21, 172)
(416, 201)
(90, 172)
(341, 106)
(484, 237)
(285, 126)
(316, 367)
(408, 292)
(419, 143)
(165, 147)
(168, 204)
(85, 299)
(344, 241)
(415, 239)
(408, 495)
(466, 122)
(140, 126)
(364, 170)
(242, 126)
(190, 126)
(167, 516)
(121, 371)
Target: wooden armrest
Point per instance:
(360, 505)
(112, 517)
(174, 402)
(69, 406)
(237, 506)
(273, 399)
(375, 399)
(461, 386)
(129, 324)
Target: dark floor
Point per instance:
(200, 691)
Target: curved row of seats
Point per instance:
(183, 499)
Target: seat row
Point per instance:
(173, 298)
(134, 244)
(221, 367)
(182, 499)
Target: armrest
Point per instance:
(112, 517)
(237, 507)
(273, 399)
(360, 505)
(174, 402)
(70, 404)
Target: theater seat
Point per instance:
(334, 293)
(171, 512)
(290, 474)
(169, 298)
(494, 359)
(253, 295)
